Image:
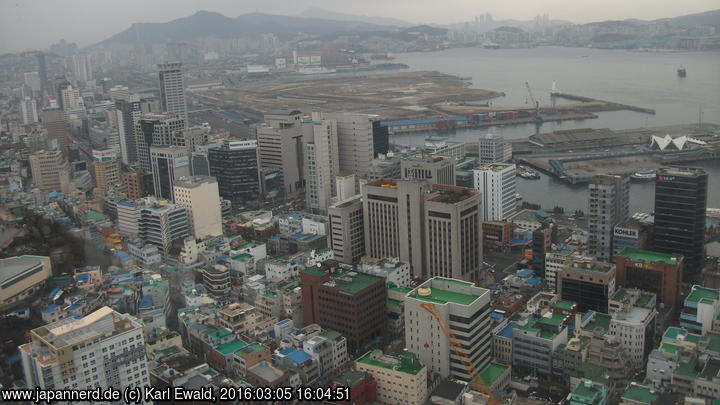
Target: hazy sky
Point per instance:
(32, 24)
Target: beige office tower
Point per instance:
(321, 162)
(280, 147)
(201, 199)
(394, 225)
(345, 185)
(172, 90)
(347, 229)
(453, 233)
(436, 169)
(355, 141)
(50, 171)
(58, 131)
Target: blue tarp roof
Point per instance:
(50, 308)
(507, 331)
(82, 277)
(542, 214)
(534, 280)
(53, 292)
(495, 315)
(525, 273)
(76, 305)
(298, 356)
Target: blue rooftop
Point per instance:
(542, 214)
(146, 302)
(525, 273)
(76, 305)
(507, 331)
(283, 322)
(127, 203)
(534, 280)
(495, 315)
(83, 278)
(53, 292)
(298, 356)
(50, 308)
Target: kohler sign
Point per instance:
(626, 232)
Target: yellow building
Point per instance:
(400, 380)
(21, 277)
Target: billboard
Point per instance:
(621, 232)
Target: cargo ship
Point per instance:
(643, 175)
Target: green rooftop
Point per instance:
(439, 296)
(567, 305)
(555, 320)
(251, 348)
(639, 394)
(402, 290)
(645, 256)
(394, 303)
(669, 348)
(220, 333)
(699, 293)
(405, 363)
(599, 321)
(588, 392)
(230, 347)
(354, 283)
(491, 373)
(711, 341)
(314, 270)
(243, 257)
(687, 368)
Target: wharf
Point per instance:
(603, 105)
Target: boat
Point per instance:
(527, 173)
(682, 72)
(643, 175)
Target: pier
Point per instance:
(604, 105)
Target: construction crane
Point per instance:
(460, 352)
(536, 103)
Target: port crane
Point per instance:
(536, 103)
(460, 352)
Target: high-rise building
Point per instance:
(105, 169)
(235, 166)
(103, 349)
(280, 147)
(57, 128)
(680, 209)
(346, 301)
(69, 97)
(587, 282)
(138, 183)
(128, 116)
(345, 185)
(200, 197)
(120, 93)
(608, 206)
(160, 224)
(458, 306)
(32, 79)
(28, 110)
(658, 273)
(436, 169)
(172, 90)
(321, 158)
(393, 213)
(45, 88)
(50, 171)
(158, 130)
(496, 183)
(493, 149)
(169, 163)
(347, 230)
(360, 139)
(81, 67)
(453, 233)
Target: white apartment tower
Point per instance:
(201, 198)
(28, 109)
(321, 162)
(172, 90)
(493, 149)
(608, 206)
(103, 349)
(81, 67)
(496, 183)
(458, 306)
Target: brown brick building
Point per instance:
(347, 301)
(659, 273)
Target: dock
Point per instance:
(607, 105)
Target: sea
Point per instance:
(643, 79)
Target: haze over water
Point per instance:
(644, 79)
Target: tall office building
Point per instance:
(81, 67)
(493, 149)
(436, 169)
(461, 307)
(199, 195)
(608, 206)
(172, 90)
(453, 233)
(347, 230)
(360, 139)
(680, 209)
(587, 282)
(138, 183)
(103, 349)
(169, 163)
(128, 116)
(57, 128)
(658, 273)
(160, 224)
(320, 140)
(69, 97)
(120, 93)
(235, 166)
(45, 88)
(496, 184)
(158, 130)
(28, 110)
(280, 148)
(393, 211)
(50, 171)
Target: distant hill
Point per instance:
(331, 15)
(707, 18)
(211, 24)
